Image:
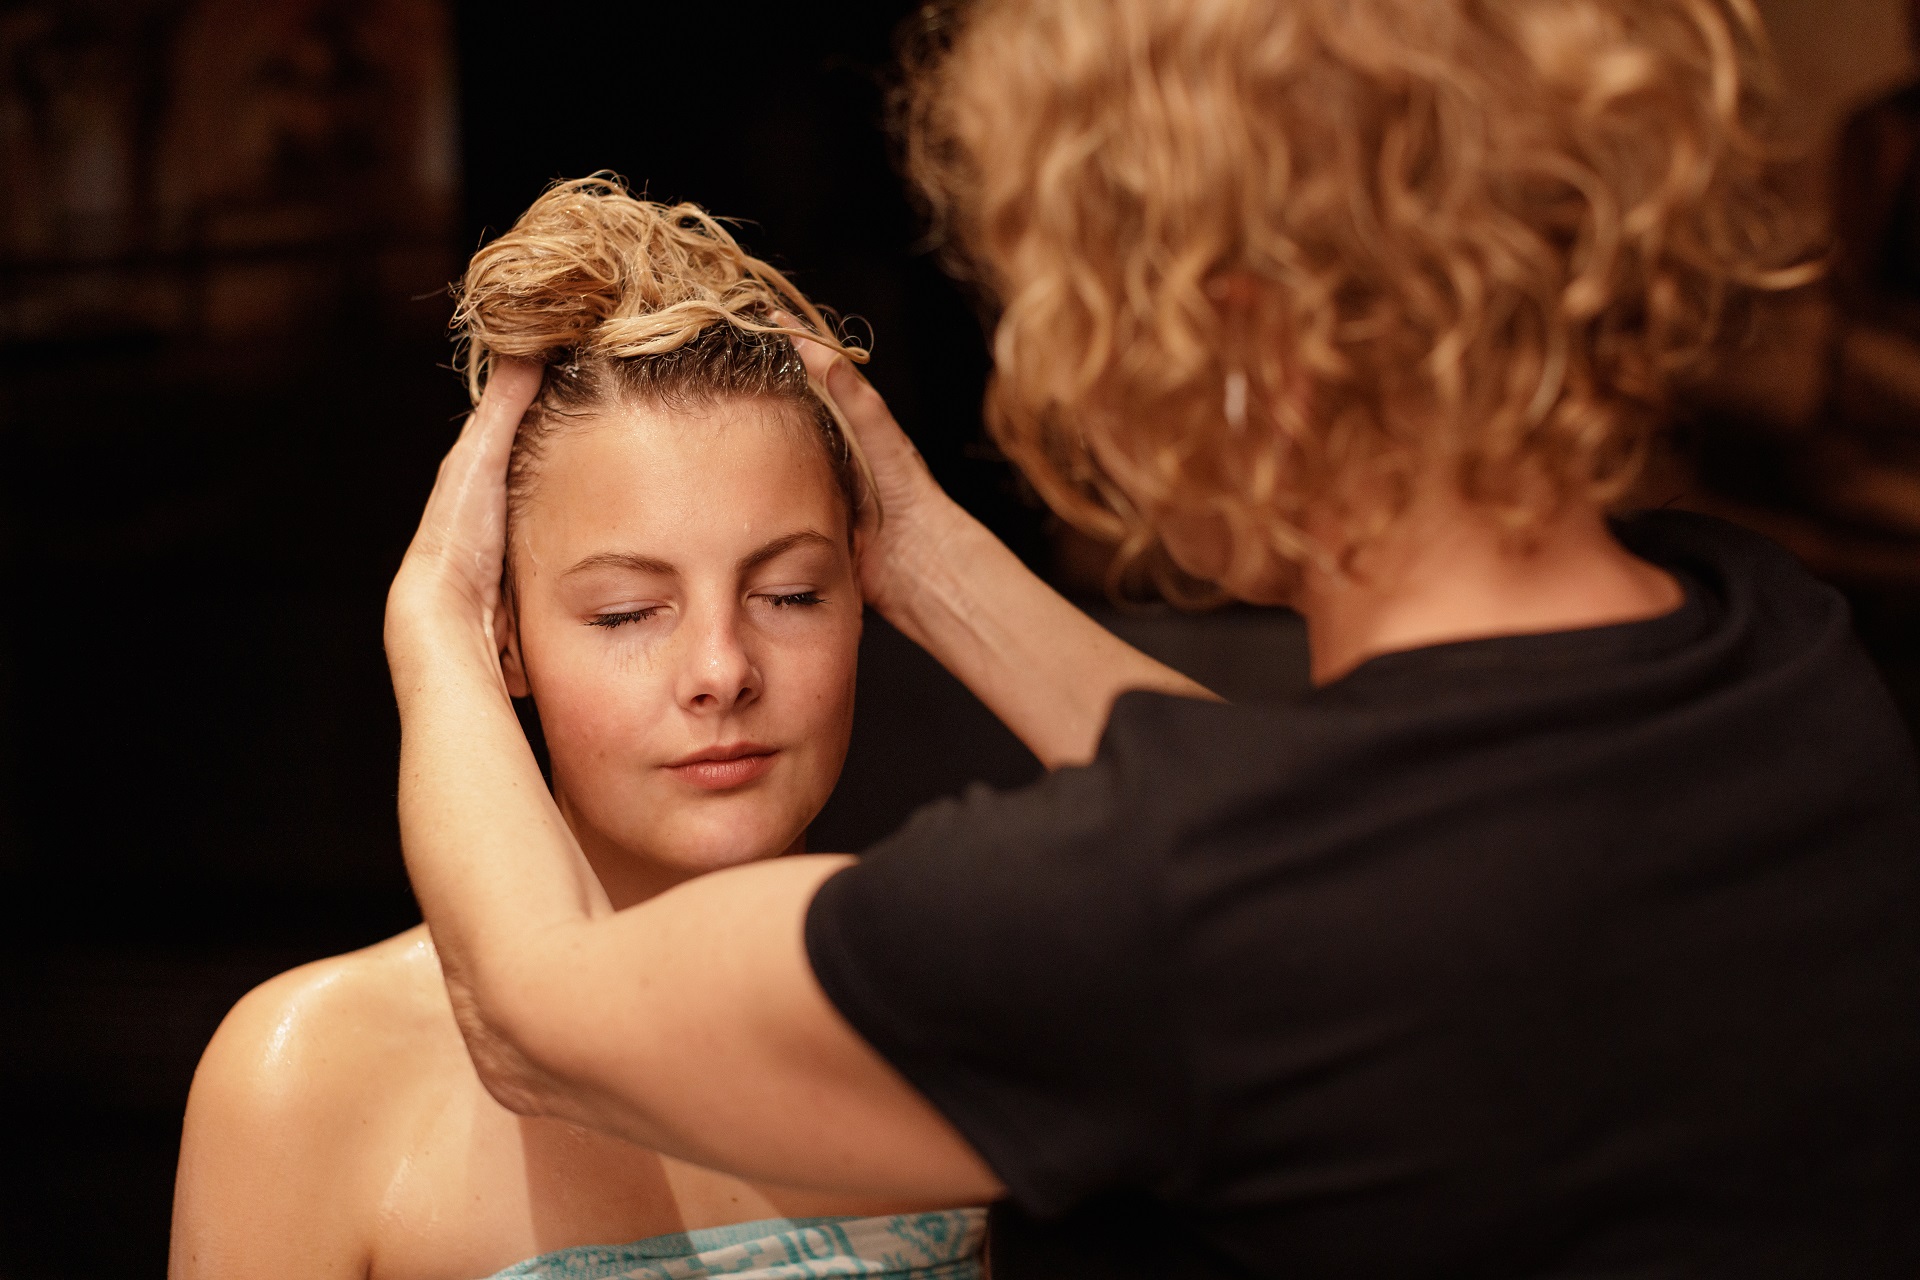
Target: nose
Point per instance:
(716, 673)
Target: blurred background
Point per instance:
(226, 230)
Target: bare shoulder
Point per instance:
(298, 1102)
(333, 1034)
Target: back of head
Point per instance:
(1260, 255)
(622, 299)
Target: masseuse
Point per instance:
(1570, 926)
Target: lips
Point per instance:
(725, 767)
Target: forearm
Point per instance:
(1046, 669)
(497, 873)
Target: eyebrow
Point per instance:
(622, 560)
(647, 564)
(780, 546)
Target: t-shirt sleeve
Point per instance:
(1005, 952)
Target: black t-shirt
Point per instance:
(1585, 954)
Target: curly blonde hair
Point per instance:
(1254, 257)
(622, 299)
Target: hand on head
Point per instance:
(451, 573)
(909, 499)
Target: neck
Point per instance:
(1448, 573)
(630, 878)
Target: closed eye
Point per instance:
(792, 599)
(621, 619)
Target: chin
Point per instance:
(714, 841)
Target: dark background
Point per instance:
(225, 231)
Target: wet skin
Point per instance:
(688, 621)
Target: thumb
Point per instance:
(856, 397)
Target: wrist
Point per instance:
(927, 569)
(431, 623)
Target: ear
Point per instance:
(508, 622)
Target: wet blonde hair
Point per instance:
(623, 300)
(1257, 256)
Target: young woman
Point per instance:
(1569, 928)
(682, 609)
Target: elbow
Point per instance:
(512, 1081)
(509, 1071)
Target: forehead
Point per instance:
(741, 468)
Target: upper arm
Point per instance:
(1007, 953)
(266, 1182)
(693, 1024)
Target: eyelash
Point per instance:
(611, 620)
(792, 600)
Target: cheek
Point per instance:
(1200, 545)
(582, 722)
(1203, 547)
(596, 704)
(809, 685)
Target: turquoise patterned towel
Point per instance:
(909, 1246)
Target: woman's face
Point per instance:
(688, 622)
